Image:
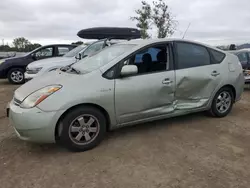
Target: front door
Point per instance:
(43, 53)
(149, 93)
(198, 74)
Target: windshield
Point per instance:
(75, 51)
(102, 58)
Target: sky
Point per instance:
(215, 22)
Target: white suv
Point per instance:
(41, 67)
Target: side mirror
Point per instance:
(33, 56)
(128, 70)
(78, 56)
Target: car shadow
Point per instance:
(48, 149)
(159, 124)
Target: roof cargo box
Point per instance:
(109, 32)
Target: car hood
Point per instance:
(64, 61)
(53, 78)
(14, 59)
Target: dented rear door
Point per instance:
(196, 76)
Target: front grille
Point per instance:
(17, 102)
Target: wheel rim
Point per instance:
(223, 102)
(84, 129)
(17, 76)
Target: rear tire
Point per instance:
(222, 103)
(82, 129)
(16, 76)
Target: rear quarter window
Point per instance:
(216, 56)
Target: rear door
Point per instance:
(150, 92)
(198, 74)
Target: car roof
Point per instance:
(58, 45)
(144, 42)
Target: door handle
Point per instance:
(166, 81)
(215, 73)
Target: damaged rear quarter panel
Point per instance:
(195, 86)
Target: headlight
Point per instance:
(33, 70)
(38, 96)
(1, 61)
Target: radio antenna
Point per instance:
(186, 31)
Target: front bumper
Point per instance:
(33, 124)
(28, 76)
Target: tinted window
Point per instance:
(154, 59)
(191, 55)
(242, 57)
(62, 50)
(216, 56)
(152, 51)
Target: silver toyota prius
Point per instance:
(128, 83)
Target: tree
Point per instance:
(20, 43)
(23, 45)
(143, 19)
(162, 19)
(4, 48)
(159, 16)
(29, 47)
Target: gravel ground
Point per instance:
(190, 151)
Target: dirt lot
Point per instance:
(191, 151)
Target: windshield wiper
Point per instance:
(76, 71)
(70, 66)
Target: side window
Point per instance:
(153, 59)
(191, 55)
(242, 57)
(44, 53)
(93, 48)
(62, 50)
(216, 56)
(152, 51)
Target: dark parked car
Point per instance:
(244, 57)
(14, 68)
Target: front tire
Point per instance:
(16, 76)
(82, 129)
(222, 103)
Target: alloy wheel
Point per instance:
(223, 102)
(17, 76)
(84, 129)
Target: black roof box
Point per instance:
(109, 32)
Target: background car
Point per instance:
(39, 68)
(244, 58)
(14, 68)
(113, 89)
(106, 36)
